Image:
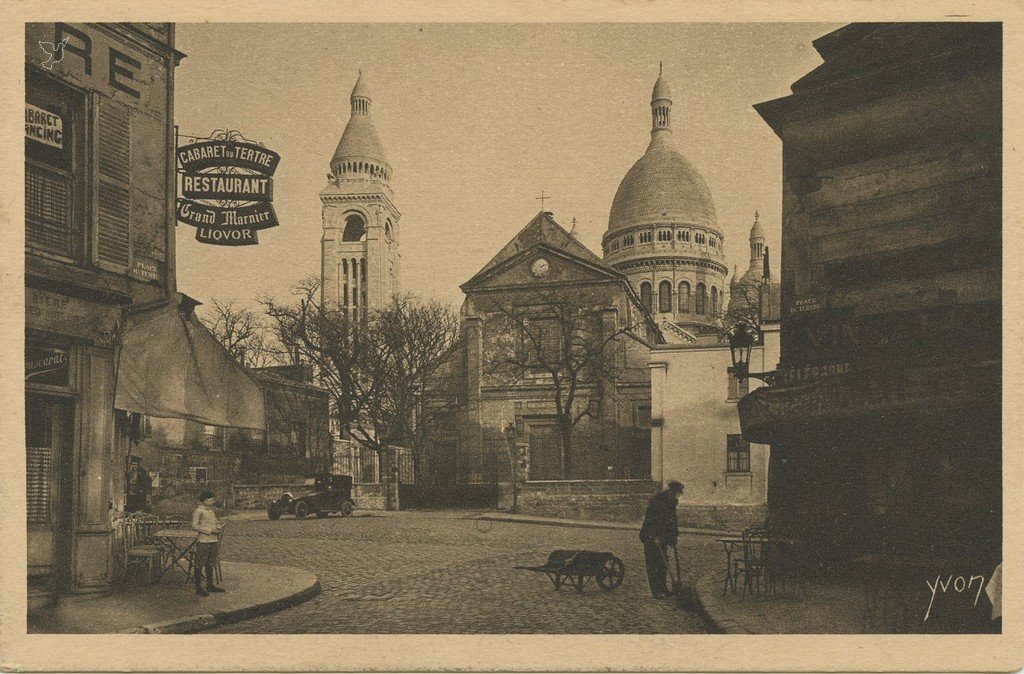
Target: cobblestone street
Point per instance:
(449, 573)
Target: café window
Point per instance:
(54, 167)
(737, 454)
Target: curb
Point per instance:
(716, 624)
(584, 524)
(205, 621)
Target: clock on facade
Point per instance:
(540, 268)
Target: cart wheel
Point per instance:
(346, 509)
(611, 574)
(273, 513)
(301, 509)
(321, 514)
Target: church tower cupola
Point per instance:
(661, 106)
(756, 269)
(360, 154)
(756, 241)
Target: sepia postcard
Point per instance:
(594, 336)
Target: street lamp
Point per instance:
(742, 337)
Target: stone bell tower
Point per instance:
(359, 263)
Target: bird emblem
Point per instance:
(55, 52)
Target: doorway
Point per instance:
(545, 450)
(48, 492)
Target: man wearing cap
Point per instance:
(204, 522)
(658, 532)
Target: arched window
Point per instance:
(355, 228)
(714, 301)
(665, 297)
(344, 277)
(702, 298)
(684, 298)
(645, 295)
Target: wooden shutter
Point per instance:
(113, 195)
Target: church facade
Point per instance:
(542, 295)
(360, 259)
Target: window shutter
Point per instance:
(113, 153)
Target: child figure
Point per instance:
(204, 521)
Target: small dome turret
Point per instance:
(360, 154)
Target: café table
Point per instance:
(178, 545)
(729, 544)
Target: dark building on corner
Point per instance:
(884, 423)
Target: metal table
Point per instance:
(178, 545)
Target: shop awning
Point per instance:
(170, 365)
(770, 413)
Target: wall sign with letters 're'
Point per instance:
(226, 187)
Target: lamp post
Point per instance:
(742, 337)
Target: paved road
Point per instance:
(446, 573)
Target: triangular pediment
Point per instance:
(561, 247)
(541, 264)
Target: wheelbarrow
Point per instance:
(574, 567)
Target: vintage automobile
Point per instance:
(326, 494)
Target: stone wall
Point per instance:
(722, 517)
(604, 500)
(256, 496)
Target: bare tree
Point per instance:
(745, 305)
(561, 340)
(376, 365)
(243, 332)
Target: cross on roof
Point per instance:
(542, 198)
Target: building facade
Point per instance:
(885, 421)
(107, 336)
(510, 416)
(663, 233)
(99, 237)
(360, 259)
(695, 435)
(183, 457)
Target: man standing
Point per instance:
(659, 531)
(204, 522)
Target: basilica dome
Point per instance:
(662, 230)
(662, 187)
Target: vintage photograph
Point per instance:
(508, 328)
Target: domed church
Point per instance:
(663, 233)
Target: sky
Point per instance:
(477, 120)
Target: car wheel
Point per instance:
(321, 514)
(346, 509)
(273, 513)
(301, 509)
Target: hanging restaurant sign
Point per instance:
(217, 153)
(256, 216)
(226, 188)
